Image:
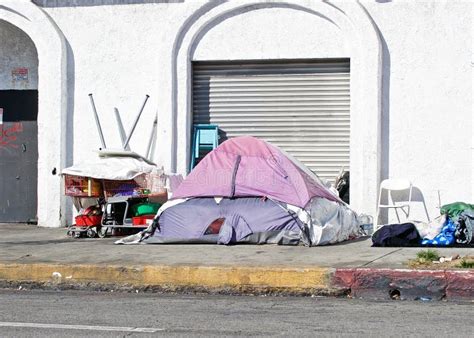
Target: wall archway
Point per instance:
(366, 55)
(52, 105)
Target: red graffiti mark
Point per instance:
(9, 135)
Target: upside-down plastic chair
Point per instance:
(390, 185)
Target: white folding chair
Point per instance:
(390, 185)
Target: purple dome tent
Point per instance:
(249, 191)
(239, 220)
(247, 166)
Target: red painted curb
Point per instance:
(343, 278)
(460, 285)
(405, 283)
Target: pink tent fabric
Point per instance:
(247, 166)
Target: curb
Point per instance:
(407, 284)
(357, 282)
(281, 280)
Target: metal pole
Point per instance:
(97, 122)
(152, 136)
(123, 136)
(135, 123)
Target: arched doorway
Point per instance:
(18, 125)
(52, 96)
(364, 51)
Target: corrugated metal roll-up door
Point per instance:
(302, 107)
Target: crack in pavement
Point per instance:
(376, 259)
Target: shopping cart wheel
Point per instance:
(116, 232)
(91, 233)
(102, 232)
(71, 231)
(75, 234)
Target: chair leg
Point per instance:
(193, 150)
(398, 216)
(376, 220)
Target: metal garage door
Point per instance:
(302, 107)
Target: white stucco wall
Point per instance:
(429, 106)
(272, 33)
(122, 52)
(17, 51)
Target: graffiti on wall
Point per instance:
(8, 135)
(20, 74)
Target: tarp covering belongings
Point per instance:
(111, 167)
(249, 191)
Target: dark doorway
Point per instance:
(18, 155)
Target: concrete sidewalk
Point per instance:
(45, 255)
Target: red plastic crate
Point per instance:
(88, 220)
(142, 220)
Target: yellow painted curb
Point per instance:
(213, 277)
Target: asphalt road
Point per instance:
(80, 314)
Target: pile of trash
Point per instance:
(454, 227)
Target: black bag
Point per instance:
(404, 234)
